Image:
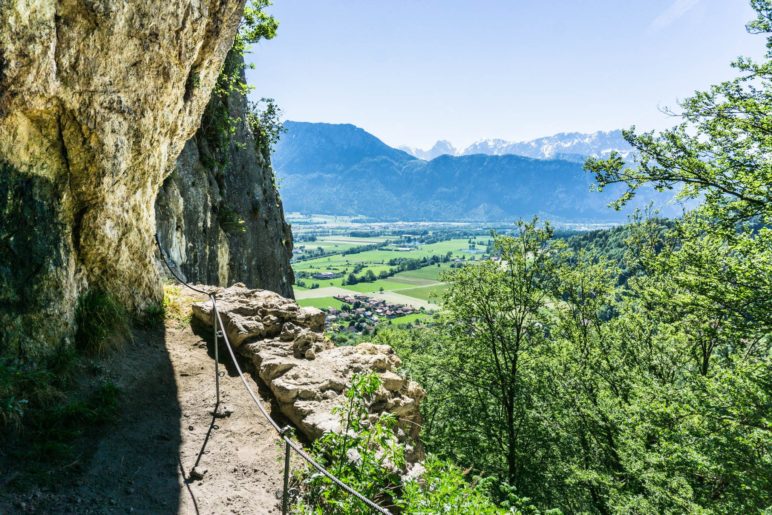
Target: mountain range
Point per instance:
(570, 146)
(341, 169)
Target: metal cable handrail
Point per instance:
(289, 443)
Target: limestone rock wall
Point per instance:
(97, 99)
(306, 373)
(219, 214)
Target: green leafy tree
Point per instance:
(497, 329)
(697, 435)
(264, 120)
(221, 122)
(720, 150)
(628, 372)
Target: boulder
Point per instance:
(249, 314)
(306, 373)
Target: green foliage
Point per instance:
(496, 321)
(612, 245)
(44, 412)
(444, 489)
(153, 315)
(264, 120)
(367, 456)
(20, 385)
(30, 385)
(645, 397)
(51, 430)
(174, 305)
(720, 150)
(102, 321)
(230, 221)
(255, 26)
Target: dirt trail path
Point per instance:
(242, 458)
(167, 383)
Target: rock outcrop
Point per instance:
(218, 214)
(97, 99)
(306, 373)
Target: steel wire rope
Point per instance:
(282, 432)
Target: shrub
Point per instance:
(174, 307)
(231, 222)
(103, 322)
(367, 456)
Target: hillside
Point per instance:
(343, 170)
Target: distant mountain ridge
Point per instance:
(344, 170)
(441, 148)
(572, 146)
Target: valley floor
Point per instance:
(141, 464)
(388, 296)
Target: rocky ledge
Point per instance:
(306, 373)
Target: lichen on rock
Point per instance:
(35, 265)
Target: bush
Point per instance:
(231, 222)
(50, 431)
(367, 456)
(44, 412)
(444, 489)
(103, 323)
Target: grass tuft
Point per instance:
(175, 308)
(153, 315)
(103, 323)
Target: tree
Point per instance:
(719, 152)
(497, 326)
(700, 299)
(264, 119)
(220, 125)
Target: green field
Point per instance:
(352, 240)
(373, 287)
(327, 246)
(422, 275)
(338, 243)
(429, 293)
(423, 284)
(408, 319)
(376, 260)
(321, 303)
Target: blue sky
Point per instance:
(415, 71)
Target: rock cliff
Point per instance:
(218, 214)
(97, 99)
